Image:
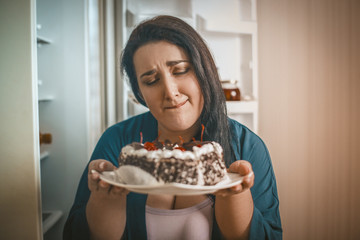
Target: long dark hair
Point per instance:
(178, 32)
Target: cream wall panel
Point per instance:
(309, 83)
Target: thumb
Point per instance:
(106, 166)
(242, 167)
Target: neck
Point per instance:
(173, 136)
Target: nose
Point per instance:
(171, 88)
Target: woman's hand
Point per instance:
(244, 168)
(106, 208)
(234, 206)
(99, 187)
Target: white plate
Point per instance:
(172, 188)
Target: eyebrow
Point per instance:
(168, 63)
(148, 73)
(172, 63)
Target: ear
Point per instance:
(138, 99)
(133, 98)
(140, 96)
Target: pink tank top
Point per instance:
(188, 223)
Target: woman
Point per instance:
(171, 71)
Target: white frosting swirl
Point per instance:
(176, 153)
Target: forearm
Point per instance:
(106, 219)
(233, 214)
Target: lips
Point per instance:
(177, 105)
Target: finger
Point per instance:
(106, 166)
(92, 165)
(241, 166)
(222, 193)
(118, 191)
(248, 180)
(230, 191)
(93, 179)
(101, 165)
(244, 168)
(95, 183)
(104, 185)
(246, 184)
(237, 188)
(94, 169)
(234, 166)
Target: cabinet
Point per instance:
(230, 30)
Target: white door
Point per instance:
(19, 140)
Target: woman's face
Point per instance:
(169, 86)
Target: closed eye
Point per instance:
(180, 72)
(152, 82)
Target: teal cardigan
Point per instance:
(265, 223)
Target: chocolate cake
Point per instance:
(194, 163)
